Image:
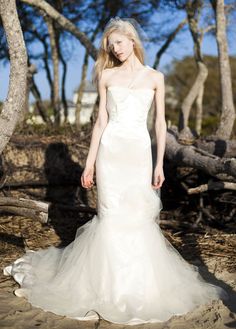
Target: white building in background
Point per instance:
(170, 96)
(71, 112)
(88, 100)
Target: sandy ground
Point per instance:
(18, 313)
(215, 255)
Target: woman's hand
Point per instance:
(87, 177)
(158, 177)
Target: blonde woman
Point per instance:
(119, 267)
(120, 70)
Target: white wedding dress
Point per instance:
(119, 266)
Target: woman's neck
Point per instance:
(132, 63)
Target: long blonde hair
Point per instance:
(105, 58)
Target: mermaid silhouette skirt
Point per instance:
(119, 266)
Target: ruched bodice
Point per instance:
(129, 106)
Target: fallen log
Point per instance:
(219, 147)
(25, 207)
(212, 186)
(210, 144)
(37, 209)
(25, 212)
(190, 156)
(26, 203)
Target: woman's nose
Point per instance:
(115, 48)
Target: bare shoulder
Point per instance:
(156, 75)
(106, 75)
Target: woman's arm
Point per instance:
(99, 126)
(160, 129)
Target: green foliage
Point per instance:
(181, 76)
(210, 124)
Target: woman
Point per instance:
(119, 266)
(122, 56)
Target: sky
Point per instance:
(182, 47)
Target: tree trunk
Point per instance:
(25, 110)
(198, 124)
(55, 62)
(47, 68)
(192, 95)
(193, 13)
(170, 38)
(83, 77)
(227, 107)
(15, 102)
(45, 58)
(63, 86)
(38, 102)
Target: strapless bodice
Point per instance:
(128, 106)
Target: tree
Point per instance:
(15, 102)
(225, 128)
(193, 9)
(55, 61)
(181, 75)
(64, 23)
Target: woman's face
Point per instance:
(120, 45)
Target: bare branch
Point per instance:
(65, 24)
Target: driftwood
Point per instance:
(212, 186)
(219, 147)
(25, 207)
(36, 209)
(190, 156)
